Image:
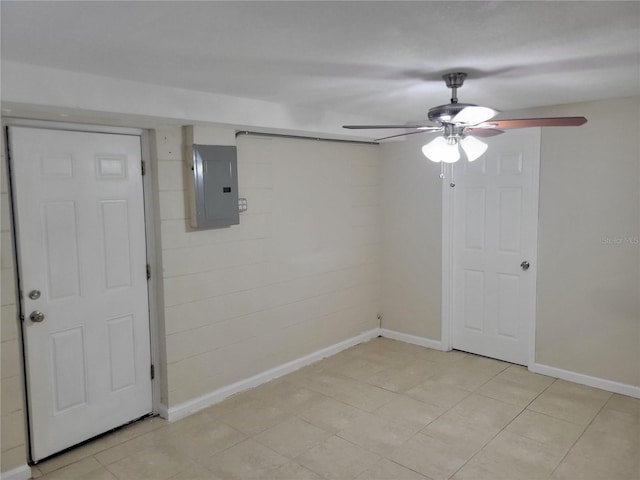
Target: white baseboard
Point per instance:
(413, 339)
(187, 408)
(21, 473)
(601, 383)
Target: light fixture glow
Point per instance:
(473, 147)
(474, 115)
(439, 150)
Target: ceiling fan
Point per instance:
(461, 123)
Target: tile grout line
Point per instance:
(498, 433)
(581, 435)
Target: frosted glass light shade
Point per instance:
(438, 150)
(474, 115)
(473, 147)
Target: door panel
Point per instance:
(81, 243)
(494, 230)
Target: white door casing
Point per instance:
(81, 243)
(494, 230)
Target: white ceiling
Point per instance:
(380, 59)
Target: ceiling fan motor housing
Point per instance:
(445, 113)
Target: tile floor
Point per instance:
(382, 410)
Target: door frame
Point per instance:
(155, 308)
(447, 299)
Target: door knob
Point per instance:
(524, 265)
(36, 316)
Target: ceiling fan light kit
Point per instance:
(461, 122)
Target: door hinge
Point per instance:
(148, 272)
(153, 372)
(142, 167)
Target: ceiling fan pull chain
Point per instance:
(442, 170)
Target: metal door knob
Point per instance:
(524, 265)
(36, 316)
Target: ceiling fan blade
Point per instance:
(403, 134)
(372, 127)
(482, 132)
(535, 122)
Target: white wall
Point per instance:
(411, 198)
(300, 272)
(588, 310)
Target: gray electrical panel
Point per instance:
(215, 174)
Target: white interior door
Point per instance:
(82, 263)
(495, 218)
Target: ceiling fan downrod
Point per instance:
(454, 81)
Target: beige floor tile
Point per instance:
(100, 474)
(195, 472)
(511, 456)
(358, 368)
(331, 415)
(327, 383)
(545, 429)
(432, 457)
(454, 429)
(475, 471)
(438, 394)
(574, 403)
(292, 437)
(487, 411)
(156, 438)
(336, 418)
(294, 471)
(623, 403)
(385, 352)
(35, 472)
(619, 424)
(511, 392)
(378, 434)
(336, 458)
(573, 467)
(407, 409)
(287, 396)
(609, 452)
(246, 460)
(105, 442)
(521, 375)
(363, 396)
(253, 416)
(158, 462)
(388, 470)
(465, 378)
(202, 441)
(75, 470)
(401, 379)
